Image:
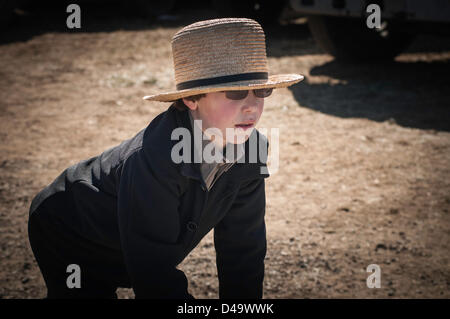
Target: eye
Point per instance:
(236, 95)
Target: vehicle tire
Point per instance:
(264, 11)
(350, 38)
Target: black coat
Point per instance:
(133, 199)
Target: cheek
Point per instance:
(226, 116)
(260, 108)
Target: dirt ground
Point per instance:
(364, 151)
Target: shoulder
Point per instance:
(151, 148)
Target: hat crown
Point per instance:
(219, 48)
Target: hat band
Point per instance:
(223, 79)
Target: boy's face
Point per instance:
(217, 111)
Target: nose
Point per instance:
(251, 103)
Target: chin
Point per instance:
(242, 136)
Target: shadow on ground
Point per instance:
(412, 94)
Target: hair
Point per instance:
(179, 104)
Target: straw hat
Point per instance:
(218, 55)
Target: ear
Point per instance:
(190, 104)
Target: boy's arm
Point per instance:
(149, 227)
(240, 242)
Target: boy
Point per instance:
(128, 217)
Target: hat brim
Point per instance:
(274, 81)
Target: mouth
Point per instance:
(245, 125)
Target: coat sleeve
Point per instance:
(240, 242)
(149, 227)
